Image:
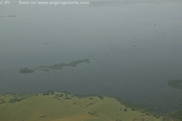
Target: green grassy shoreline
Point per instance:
(62, 106)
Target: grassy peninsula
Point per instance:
(59, 106)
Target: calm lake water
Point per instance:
(128, 49)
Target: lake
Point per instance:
(128, 49)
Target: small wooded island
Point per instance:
(53, 67)
(62, 106)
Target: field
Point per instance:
(59, 106)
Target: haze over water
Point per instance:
(134, 49)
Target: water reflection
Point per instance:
(53, 67)
(175, 84)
